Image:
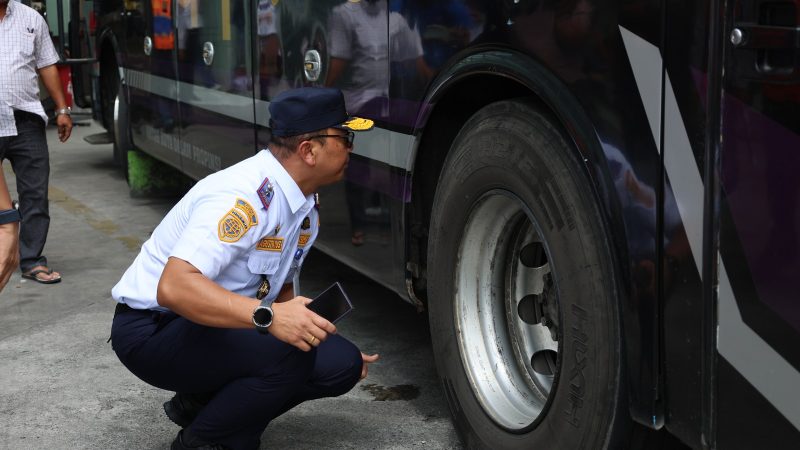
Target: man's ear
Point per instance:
(307, 152)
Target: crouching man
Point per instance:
(207, 308)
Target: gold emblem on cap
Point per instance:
(359, 124)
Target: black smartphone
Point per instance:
(332, 304)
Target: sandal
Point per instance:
(32, 275)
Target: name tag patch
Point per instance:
(270, 244)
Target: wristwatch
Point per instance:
(67, 111)
(262, 317)
(9, 215)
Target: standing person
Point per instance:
(187, 320)
(359, 55)
(26, 51)
(9, 233)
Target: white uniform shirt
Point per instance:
(25, 46)
(267, 18)
(357, 33)
(222, 228)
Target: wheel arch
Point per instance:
(486, 77)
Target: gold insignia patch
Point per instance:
(359, 124)
(231, 227)
(245, 207)
(303, 240)
(242, 218)
(270, 244)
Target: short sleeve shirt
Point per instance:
(267, 18)
(357, 32)
(238, 227)
(25, 47)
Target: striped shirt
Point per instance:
(25, 46)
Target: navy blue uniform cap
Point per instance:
(308, 109)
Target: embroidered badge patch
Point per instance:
(303, 240)
(270, 244)
(248, 210)
(231, 226)
(265, 193)
(359, 124)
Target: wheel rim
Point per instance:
(506, 311)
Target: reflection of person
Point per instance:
(187, 320)
(359, 52)
(269, 62)
(190, 45)
(27, 50)
(161, 60)
(444, 25)
(359, 57)
(9, 233)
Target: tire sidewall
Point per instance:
(122, 133)
(509, 146)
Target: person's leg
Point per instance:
(253, 375)
(31, 163)
(337, 369)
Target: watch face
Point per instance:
(262, 316)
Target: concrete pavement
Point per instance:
(62, 387)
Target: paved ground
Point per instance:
(62, 387)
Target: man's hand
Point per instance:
(9, 251)
(51, 81)
(64, 123)
(367, 359)
(297, 325)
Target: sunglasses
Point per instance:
(348, 138)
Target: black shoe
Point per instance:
(180, 444)
(183, 408)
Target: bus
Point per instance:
(595, 202)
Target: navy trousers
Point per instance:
(255, 377)
(30, 160)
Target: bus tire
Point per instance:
(522, 298)
(122, 130)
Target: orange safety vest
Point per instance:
(163, 31)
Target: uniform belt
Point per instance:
(121, 308)
(160, 317)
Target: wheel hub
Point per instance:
(506, 308)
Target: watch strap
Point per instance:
(9, 215)
(67, 111)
